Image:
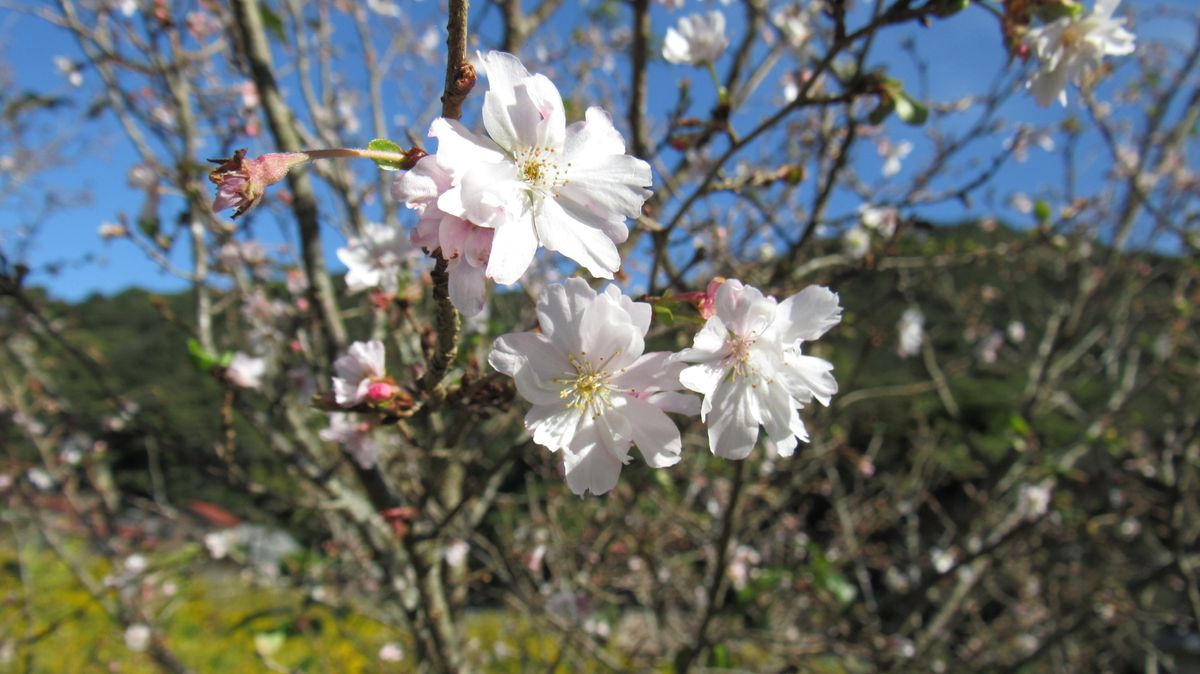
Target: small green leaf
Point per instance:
(886, 107)
(385, 145)
(1019, 424)
(272, 22)
(720, 657)
(665, 314)
(203, 360)
(1041, 210)
(911, 111)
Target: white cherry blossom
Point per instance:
(354, 436)
(593, 390)
(750, 370)
(911, 329)
(536, 180)
(696, 39)
(465, 247)
(374, 258)
(1070, 48)
(246, 371)
(360, 374)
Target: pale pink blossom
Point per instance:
(1071, 48)
(246, 371)
(750, 370)
(361, 366)
(537, 181)
(465, 247)
(594, 392)
(696, 39)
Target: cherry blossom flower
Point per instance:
(593, 390)
(749, 368)
(856, 242)
(1070, 48)
(137, 637)
(882, 219)
(911, 328)
(360, 375)
(536, 180)
(374, 258)
(697, 39)
(246, 371)
(465, 247)
(893, 154)
(354, 436)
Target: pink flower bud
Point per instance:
(380, 391)
(241, 183)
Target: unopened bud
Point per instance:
(241, 183)
(380, 391)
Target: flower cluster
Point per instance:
(533, 181)
(595, 393)
(1070, 48)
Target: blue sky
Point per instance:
(965, 55)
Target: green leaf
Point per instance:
(829, 579)
(720, 657)
(385, 145)
(1041, 210)
(1019, 424)
(203, 360)
(664, 313)
(886, 107)
(911, 111)
(272, 22)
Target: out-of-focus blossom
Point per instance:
(385, 8)
(892, 154)
(136, 564)
(1033, 500)
(750, 370)
(742, 566)
(465, 247)
(374, 258)
(111, 230)
(537, 180)
(126, 7)
(137, 637)
(246, 371)
(988, 348)
(1071, 48)
(856, 242)
(249, 93)
(217, 544)
(40, 479)
(1016, 332)
(911, 329)
(354, 436)
(593, 391)
(696, 39)
(391, 652)
(357, 370)
(455, 553)
(241, 183)
(882, 219)
(792, 22)
(70, 69)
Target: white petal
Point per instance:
(655, 435)
(813, 375)
(587, 245)
(733, 421)
(560, 311)
(553, 427)
(808, 314)
(422, 184)
(595, 470)
(460, 149)
(676, 403)
(704, 377)
(468, 287)
(605, 188)
(533, 363)
(594, 134)
(513, 248)
(490, 194)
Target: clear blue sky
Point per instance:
(965, 55)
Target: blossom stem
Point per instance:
(338, 152)
(722, 93)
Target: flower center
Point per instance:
(587, 389)
(739, 354)
(540, 169)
